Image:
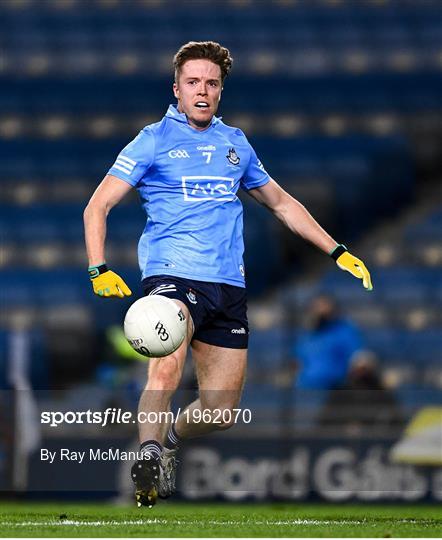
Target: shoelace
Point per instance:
(170, 466)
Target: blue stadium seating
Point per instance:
(64, 223)
(423, 347)
(428, 228)
(395, 24)
(299, 57)
(143, 95)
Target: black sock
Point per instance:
(173, 440)
(153, 448)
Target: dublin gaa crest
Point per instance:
(232, 156)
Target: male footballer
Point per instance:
(188, 169)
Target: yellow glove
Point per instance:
(350, 263)
(107, 283)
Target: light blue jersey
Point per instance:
(188, 181)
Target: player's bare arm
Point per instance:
(109, 193)
(299, 220)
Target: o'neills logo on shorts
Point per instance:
(238, 331)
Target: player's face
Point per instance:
(198, 91)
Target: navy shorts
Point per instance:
(218, 310)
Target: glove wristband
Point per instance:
(95, 271)
(338, 251)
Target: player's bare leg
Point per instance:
(164, 375)
(221, 374)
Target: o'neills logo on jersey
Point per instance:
(208, 148)
(232, 156)
(208, 188)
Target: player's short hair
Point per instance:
(209, 50)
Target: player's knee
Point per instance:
(165, 374)
(225, 426)
(220, 407)
(226, 418)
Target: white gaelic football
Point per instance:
(155, 326)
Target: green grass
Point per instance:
(218, 520)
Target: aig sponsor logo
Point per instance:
(208, 188)
(178, 154)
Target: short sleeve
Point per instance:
(134, 160)
(255, 175)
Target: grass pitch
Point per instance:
(218, 520)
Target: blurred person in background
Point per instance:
(362, 402)
(187, 169)
(324, 351)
